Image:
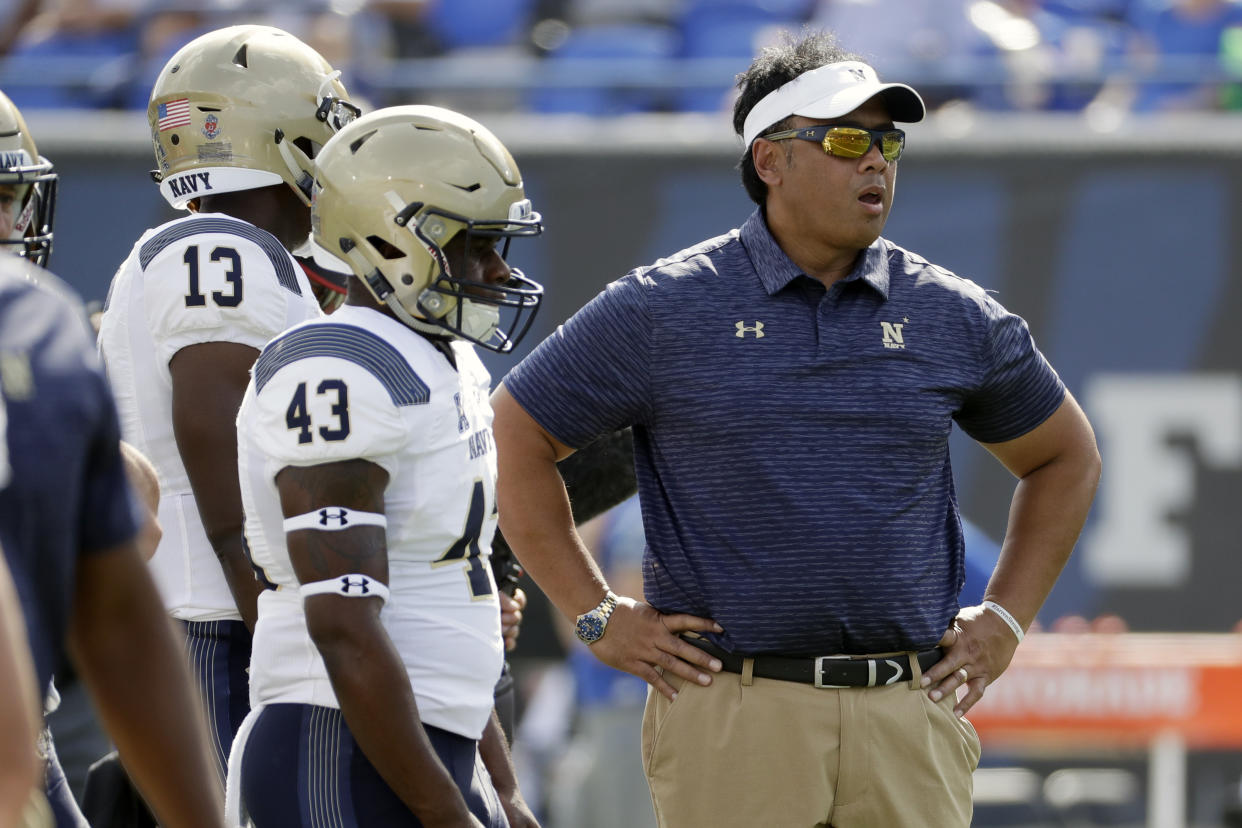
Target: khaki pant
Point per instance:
(750, 752)
(37, 814)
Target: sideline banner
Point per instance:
(1116, 690)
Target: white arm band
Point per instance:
(334, 519)
(1006, 617)
(347, 586)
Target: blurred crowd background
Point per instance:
(617, 56)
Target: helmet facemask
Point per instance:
(495, 315)
(29, 189)
(29, 215)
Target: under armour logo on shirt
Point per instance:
(341, 517)
(743, 328)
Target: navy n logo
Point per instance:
(892, 336)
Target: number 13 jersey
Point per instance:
(204, 278)
(361, 385)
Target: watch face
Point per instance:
(590, 627)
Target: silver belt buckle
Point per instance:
(819, 672)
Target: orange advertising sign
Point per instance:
(1117, 690)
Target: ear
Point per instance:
(770, 161)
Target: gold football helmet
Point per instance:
(240, 108)
(397, 188)
(28, 197)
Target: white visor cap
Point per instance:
(830, 92)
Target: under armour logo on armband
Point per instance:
(361, 585)
(859, 74)
(341, 517)
(756, 329)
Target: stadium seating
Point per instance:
(465, 24)
(730, 29)
(89, 63)
(634, 43)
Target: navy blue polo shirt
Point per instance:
(791, 441)
(68, 495)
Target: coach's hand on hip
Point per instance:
(643, 641)
(977, 649)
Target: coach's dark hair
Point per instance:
(773, 68)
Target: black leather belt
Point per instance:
(825, 671)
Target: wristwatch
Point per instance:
(590, 625)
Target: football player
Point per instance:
(27, 189)
(237, 116)
(368, 479)
(68, 522)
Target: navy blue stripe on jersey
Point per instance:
(276, 252)
(345, 342)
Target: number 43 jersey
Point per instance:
(361, 385)
(204, 278)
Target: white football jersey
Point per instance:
(203, 278)
(361, 385)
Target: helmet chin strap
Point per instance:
(479, 322)
(359, 264)
(420, 325)
(301, 177)
(26, 214)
